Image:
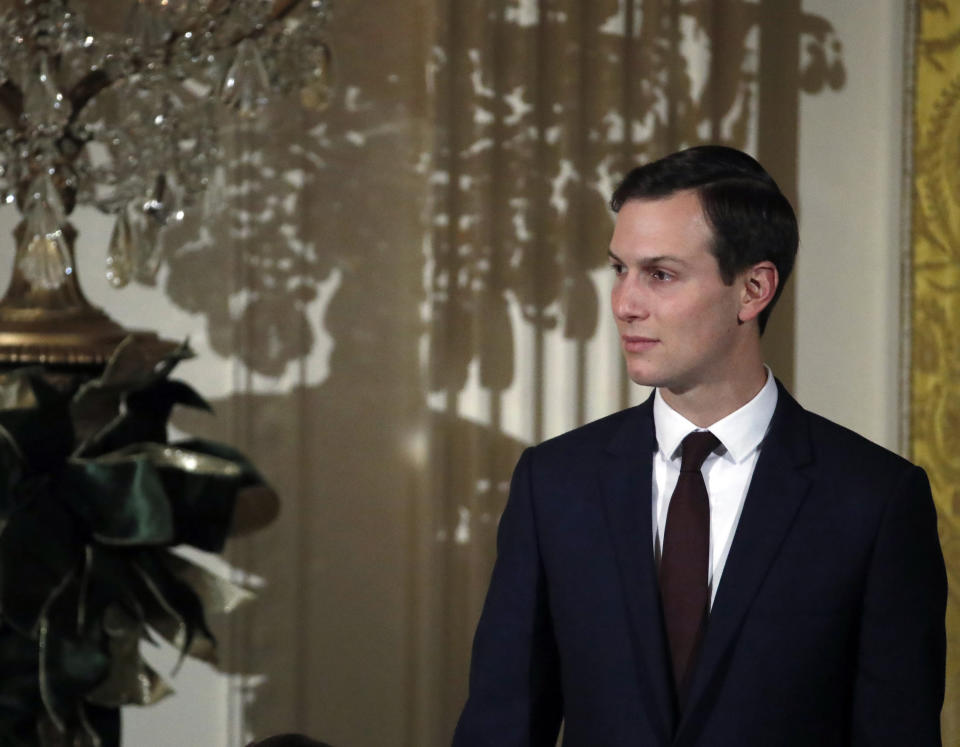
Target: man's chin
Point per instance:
(644, 377)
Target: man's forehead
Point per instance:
(677, 219)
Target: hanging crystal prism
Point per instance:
(45, 110)
(45, 261)
(120, 252)
(144, 233)
(43, 191)
(147, 28)
(44, 257)
(202, 153)
(148, 257)
(165, 202)
(246, 86)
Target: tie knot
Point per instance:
(696, 447)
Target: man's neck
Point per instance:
(704, 405)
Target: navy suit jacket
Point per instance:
(827, 627)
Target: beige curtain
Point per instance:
(417, 289)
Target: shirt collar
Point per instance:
(740, 432)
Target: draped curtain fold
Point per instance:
(539, 107)
(451, 231)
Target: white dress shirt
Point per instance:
(726, 471)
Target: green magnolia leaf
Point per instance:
(153, 403)
(102, 722)
(38, 419)
(173, 608)
(227, 453)
(122, 499)
(70, 667)
(202, 500)
(181, 353)
(11, 473)
(131, 402)
(19, 685)
(217, 594)
(70, 663)
(172, 392)
(126, 429)
(16, 389)
(143, 417)
(149, 494)
(131, 681)
(111, 581)
(93, 410)
(255, 504)
(92, 726)
(131, 365)
(39, 548)
(97, 403)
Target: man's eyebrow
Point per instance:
(660, 259)
(647, 261)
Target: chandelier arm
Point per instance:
(280, 11)
(11, 99)
(76, 142)
(284, 9)
(86, 89)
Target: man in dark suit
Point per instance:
(771, 579)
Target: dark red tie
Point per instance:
(685, 560)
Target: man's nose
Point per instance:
(629, 301)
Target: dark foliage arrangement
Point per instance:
(93, 497)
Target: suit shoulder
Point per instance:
(836, 442)
(594, 435)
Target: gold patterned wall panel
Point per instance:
(935, 299)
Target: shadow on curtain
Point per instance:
(416, 291)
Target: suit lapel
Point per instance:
(777, 489)
(626, 494)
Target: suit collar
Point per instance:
(740, 432)
(636, 431)
(777, 490)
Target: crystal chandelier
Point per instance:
(118, 104)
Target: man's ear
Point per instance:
(759, 284)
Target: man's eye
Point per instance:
(618, 269)
(660, 275)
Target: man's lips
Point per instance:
(637, 343)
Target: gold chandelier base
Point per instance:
(57, 327)
(77, 338)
